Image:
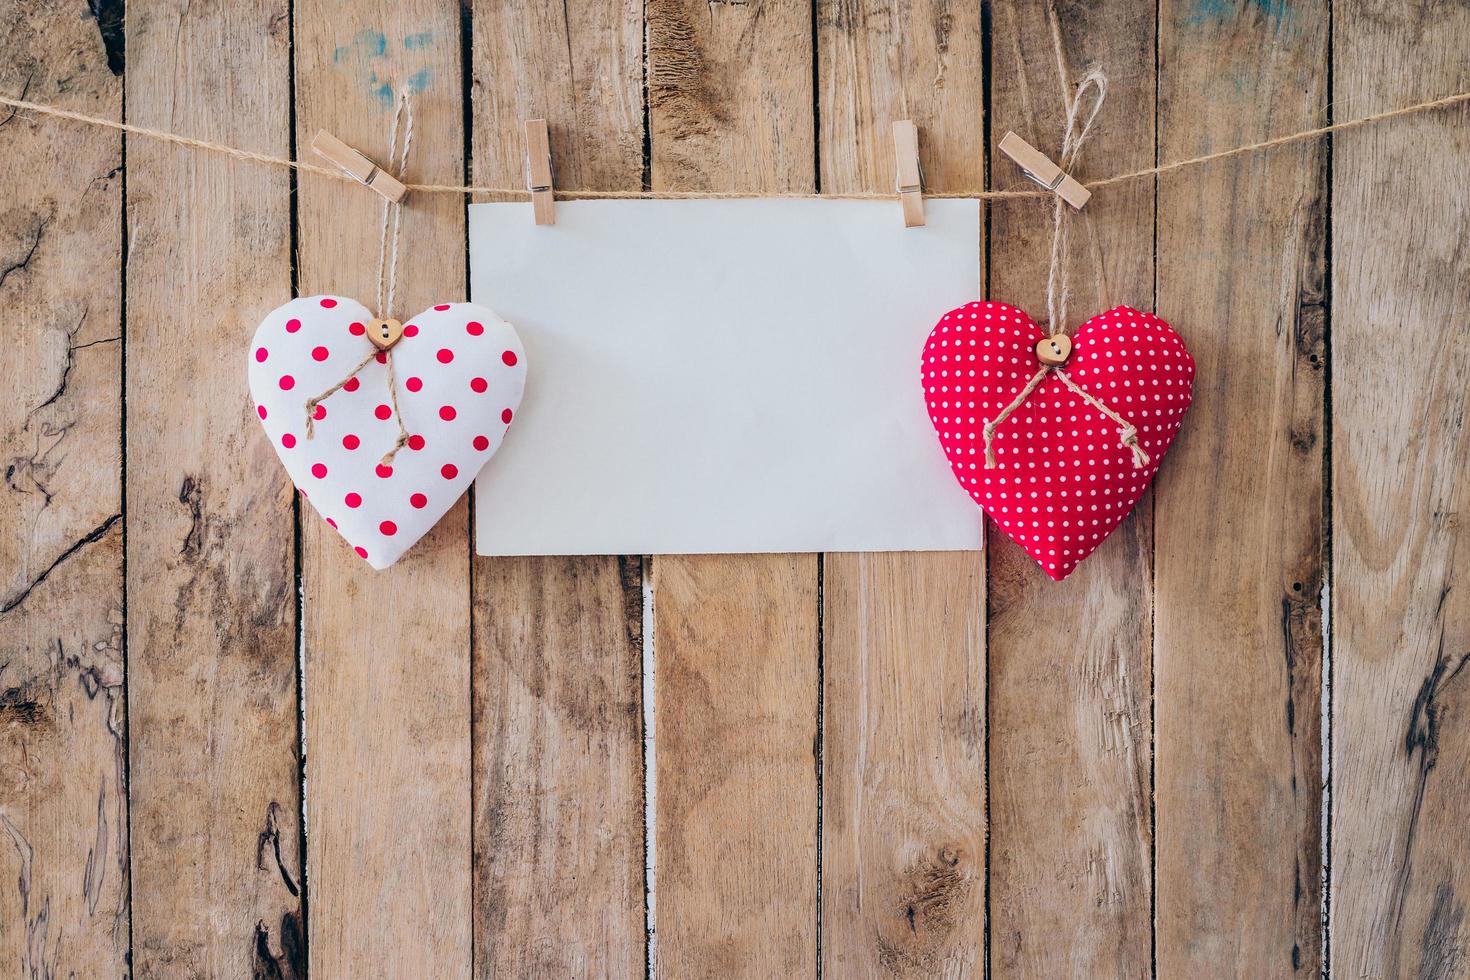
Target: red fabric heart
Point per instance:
(1063, 480)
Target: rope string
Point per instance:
(1057, 290)
(388, 235)
(178, 139)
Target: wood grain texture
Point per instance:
(558, 762)
(1401, 487)
(736, 683)
(387, 653)
(63, 785)
(903, 833)
(211, 606)
(1239, 507)
(730, 108)
(1069, 682)
(558, 768)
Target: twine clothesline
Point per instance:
(179, 139)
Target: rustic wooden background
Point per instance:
(1235, 743)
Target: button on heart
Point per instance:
(1063, 481)
(459, 371)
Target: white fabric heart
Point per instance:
(459, 371)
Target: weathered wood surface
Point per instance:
(211, 603)
(1070, 671)
(63, 789)
(903, 637)
(558, 759)
(835, 726)
(730, 107)
(387, 654)
(1400, 864)
(1239, 507)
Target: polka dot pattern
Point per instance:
(382, 510)
(1062, 481)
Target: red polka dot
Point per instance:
(287, 382)
(384, 471)
(318, 470)
(353, 500)
(415, 442)
(356, 329)
(331, 522)
(352, 384)
(388, 528)
(381, 357)
(350, 441)
(414, 384)
(481, 443)
(509, 357)
(419, 501)
(478, 385)
(447, 413)
(506, 416)
(329, 303)
(261, 354)
(411, 330)
(383, 412)
(442, 307)
(260, 410)
(319, 413)
(289, 441)
(449, 471)
(293, 325)
(320, 353)
(474, 328)
(445, 355)
(361, 552)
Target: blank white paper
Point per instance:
(723, 376)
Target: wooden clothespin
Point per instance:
(538, 172)
(910, 177)
(358, 166)
(1040, 169)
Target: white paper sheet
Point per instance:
(723, 376)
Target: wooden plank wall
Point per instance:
(1071, 836)
(1239, 526)
(1230, 745)
(63, 790)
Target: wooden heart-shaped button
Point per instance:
(1054, 350)
(385, 333)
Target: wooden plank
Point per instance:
(387, 653)
(211, 601)
(1069, 680)
(1240, 520)
(903, 834)
(558, 763)
(1400, 611)
(730, 108)
(736, 685)
(63, 785)
(559, 768)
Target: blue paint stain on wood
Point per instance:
(365, 44)
(368, 45)
(1277, 13)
